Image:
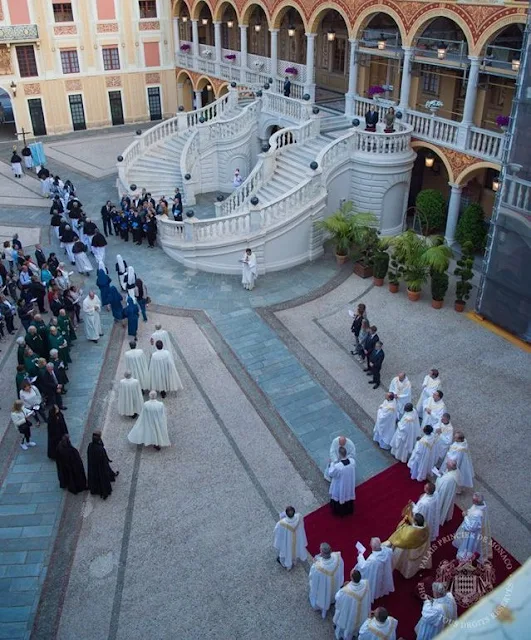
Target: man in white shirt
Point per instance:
(432, 382)
(446, 487)
(459, 452)
(353, 605)
(401, 387)
(377, 569)
(326, 577)
(379, 626)
(343, 486)
(340, 441)
(473, 535)
(423, 457)
(384, 428)
(290, 538)
(428, 506)
(437, 613)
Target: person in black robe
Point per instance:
(70, 469)
(56, 430)
(100, 474)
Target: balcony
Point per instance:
(12, 34)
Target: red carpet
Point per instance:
(379, 504)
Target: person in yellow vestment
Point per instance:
(410, 543)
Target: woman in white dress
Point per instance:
(249, 272)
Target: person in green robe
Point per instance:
(21, 350)
(22, 375)
(35, 342)
(30, 362)
(41, 327)
(66, 327)
(59, 342)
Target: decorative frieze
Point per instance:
(107, 27)
(32, 89)
(113, 81)
(151, 25)
(65, 30)
(73, 85)
(152, 78)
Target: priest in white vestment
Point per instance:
(163, 374)
(459, 452)
(428, 506)
(340, 441)
(290, 538)
(249, 270)
(353, 606)
(401, 387)
(432, 382)
(384, 428)
(446, 487)
(343, 485)
(136, 362)
(437, 613)
(423, 457)
(162, 335)
(379, 626)
(91, 311)
(433, 409)
(326, 577)
(410, 543)
(406, 434)
(130, 399)
(151, 428)
(444, 433)
(473, 536)
(377, 569)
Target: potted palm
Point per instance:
(464, 273)
(339, 227)
(396, 270)
(380, 266)
(364, 247)
(439, 287)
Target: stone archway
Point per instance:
(8, 127)
(185, 90)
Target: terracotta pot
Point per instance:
(393, 288)
(378, 282)
(362, 271)
(459, 306)
(414, 296)
(341, 259)
(437, 304)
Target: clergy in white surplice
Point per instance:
(446, 487)
(428, 506)
(333, 456)
(401, 387)
(290, 538)
(433, 409)
(410, 543)
(163, 374)
(352, 608)
(459, 452)
(91, 311)
(423, 457)
(151, 428)
(162, 335)
(384, 428)
(377, 569)
(431, 383)
(437, 613)
(444, 433)
(406, 434)
(379, 626)
(326, 577)
(130, 400)
(343, 484)
(473, 535)
(136, 362)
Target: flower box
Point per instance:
(291, 71)
(185, 48)
(231, 57)
(375, 90)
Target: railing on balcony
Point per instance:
(19, 33)
(432, 127)
(516, 194)
(486, 144)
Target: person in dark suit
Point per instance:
(287, 87)
(39, 255)
(106, 216)
(370, 342)
(51, 388)
(376, 359)
(371, 119)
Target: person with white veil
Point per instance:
(130, 283)
(151, 428)
(121, 270)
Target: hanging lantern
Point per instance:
(381, 42)
(515, 64)
(331, 35)
(230, 24)
(441, 50)
(257, 27)
(209, 87)
(184, 19)
(429, 161)
(204, 21)
(496, 183)
(291, 31)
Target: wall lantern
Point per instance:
(209, 87)
(495, 184)
(257, 27)
(331, 35)
(184, 19)
(291, 31)
(441, 50)
(230, 24)
(381, 42)
(429, 161)
(204, 21)
(515, 64)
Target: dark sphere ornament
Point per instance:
(120, 158)
(313, 165)
(187, 176)
(265, 147)
(399, 115)
(201, 119)
(139, 132)
(259, 94)
(306, 97)
(190, 214)
(220, 197)
(356, 122)
(254, 200)
(233, 85)
(181, 108)
(266, 85)
(315, 110)
(133, 187)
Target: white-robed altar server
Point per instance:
(432, 382)
(343, 486)
(437, 613)
(444, 433)
(326, 577)
(136, 362)
(401, 387)
(162, 335)
(151, 428)
(384, 428)
(428, 506)
(406, 434)
(446, 487)
(163, 374)
(130, 400)
(377, 569)
(473, 535)
(423, 457)
(91, 311)
(290, 538)
(333, 456)
(459, 452)
(352, 608)
(379, 626)
(249, 271)
(433, 409)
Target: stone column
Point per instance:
(471, 91)
(243, 51)
(198, 99)
(274, 57)
(405, 85)
(180, 94)
(195, 38)
(309, 85)
(176, 38)
(352, 79)
(453, 212)
(217, 45)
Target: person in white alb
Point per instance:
(136, 362)
(290, 538)
(446, 487)
(379, 626)
(162, 335)
(326, 577)
(151, 428)
(377, 569)
(406, 434)
(352, 606)
(130, 400)
(423, 457)
(401, 387)
(433, 409)
(459, 452)
(432, 382)
(340, 441)
(444, 433)
(91, 310)
(343, 486)
(249, 270)
(384, 427)
(428, 506)
(473, 535)
(163, 374)
(437, 613)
